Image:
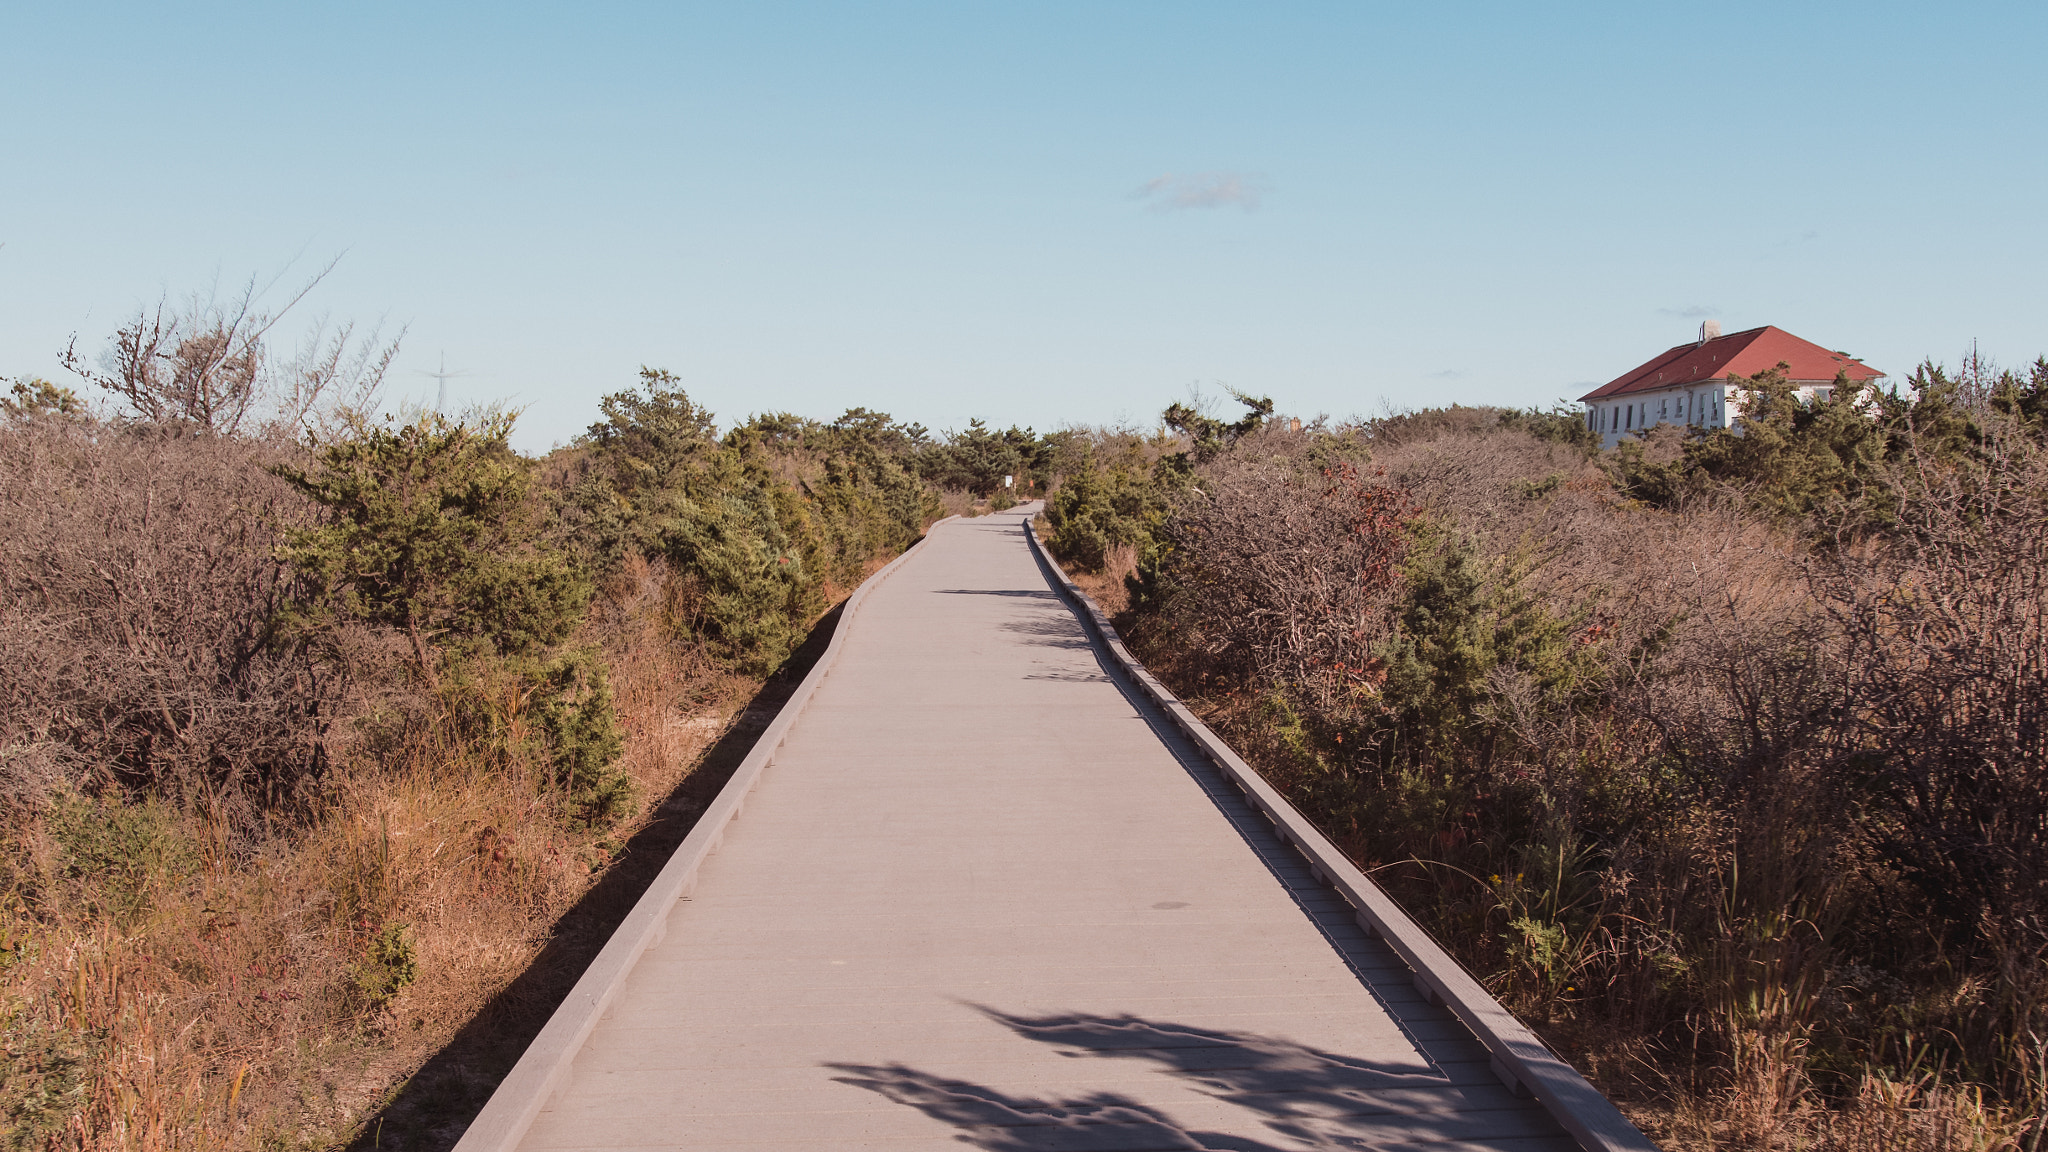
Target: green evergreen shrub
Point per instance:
(121, 855)
(1095, 512)
(758, 526)
(427, 527)
(389, 964)
(431, 527)
(573, 704)
(976, 460)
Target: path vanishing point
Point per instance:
(989, 890)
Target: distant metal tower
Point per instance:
(442, 377)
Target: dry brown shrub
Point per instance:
(1109, 587)
(1288, 572)
(1398, 429)
(140, 604)
(958, 502)
(1921, 1113)
(1945, 668)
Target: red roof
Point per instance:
(1739, 354)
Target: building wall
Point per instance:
(1711, 404)
(1705, 405)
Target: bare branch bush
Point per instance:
(207, 366)
(1288, 571)
(139, 603)
(1942, 726)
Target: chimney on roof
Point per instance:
(1710, 330)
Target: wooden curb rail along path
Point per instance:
(1003, 891)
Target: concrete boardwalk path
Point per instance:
(981, 899)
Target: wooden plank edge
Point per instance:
(1520, 1059)
(547, 1065)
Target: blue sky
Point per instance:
(1034, 213)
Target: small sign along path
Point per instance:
(983, 898)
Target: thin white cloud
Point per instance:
(1175, 193)
(1695, 312)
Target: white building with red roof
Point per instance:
(1690, 384)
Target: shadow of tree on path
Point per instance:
(1281, 1090)
(1051, 629)
(993, 1120)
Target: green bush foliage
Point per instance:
(1561, 423)
(1114, 500)
(1464, 624)
(1096, 512)
(739, 542)
(572, 701)
(45, 1079)
(432, 527)
(35, 396)
(763, 525)
(427, 527)
(390, 964)
(864, 500)
(1208, 436)
(976, 459)
(122, 855)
